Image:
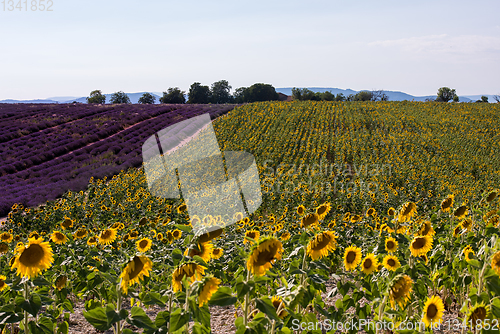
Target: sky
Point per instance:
(148, 46)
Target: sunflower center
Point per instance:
(419, 243)
(367, 264)
(138, 266)
(32, 255)
(432, 311)
(59, 236)
(390, 244)
(143, 243)
(266, 256)
(351, 256)
(321, 210)
(391, 262)
(106, 234)
(480, 313)
(322, 243)
(446, 203)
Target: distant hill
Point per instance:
(28, 101)
(393, 95)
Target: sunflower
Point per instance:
(323, 210)
(159, 236)
(493, 220)
(58, 238)
(32, 259)
(369, 264)
(391, 262)
(143, 221)
(321, 245)
(144, 245)
(33, 234)
(263, 254)
(285, 236)
(132, 235)
(301, 210)
(210, 286)
(134, 271)
(468, 253)
(391, 245)
(206, 237)
(408, 210)
(169, 236)
(391, 211)
(67, 223)
(461, 212)
(253, 235)
(4, 248)
(217, 253)
(355, 218)
(399, 292)
(492, 195)
(447, 203)
(182, 208)
(61, 282)
(426, 229)
(80, 234)
(495, 262)
(279, 306)
(107, 236)
(478, 314)
(457, 230)
(3, 285)
(420, 245)
(202, 250)
(309, 220)
(92, 241)
(177, 234)
(6, 237)
(467, 224)
(433, 311)
(352, 257)
(191, 271)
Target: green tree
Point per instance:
(327, 96)
(96, 97)
(147, 98)
(446, 94)
(261, 92)
(199, 93)
(364, 95)
(220, 92)
(379, 95)
(239, 95)
(120, 97)
(340, 97)
(173, 95)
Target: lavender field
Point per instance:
(47, 149)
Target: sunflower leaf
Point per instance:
(222, 297)
(97, 318)
(178, 319)
(140, 319)
(265, 305)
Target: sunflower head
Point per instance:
(3, 285)
(468, 253)
(202, 250)
(447, 203)
(426, 229)
(391, 245)
(61, 282)
(478, 314)
(352, 257)
(491, 195)
(67, 223)
(177, 234)
(210, 286)
(4, 248)
(279, 306)
(192, 271)
(495, 263)
(467, 224)
(323, 210)
(58, 238)
(107, 236)
(80, 234)
(457, 230)
(369, 264)
(407, 211)
(263, 255)
(301, 210)
(217, 253)
(400, 290)
(420, 245)
(433, 311)
(251, 236)
(206, 237)
(144, 245)
(285, 236)
(32, 259)
(181, 208)
(370, 212)
(321, 245)
(461, 212)
(6, 237)
(92, 241)
(391, 212)
(391, 262)
(134, 271)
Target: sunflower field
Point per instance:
(376, 217)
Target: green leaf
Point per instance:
(63, 328)
(140, 319)
(178, 319)
(97, 318)
(265, 305)
(44, 326)
(8, 314)
(162, 319)
(222, 297)
(495, 307)
(200, 329)
(200, 314)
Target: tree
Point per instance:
(364, 95)
(261, 92)
(446, 94)
(96, 97)
(199, 93)
(147, 98)
(497, 98)
(484, 99)
(239, 95)
(379, 95)
(340, 97)
(173, 95)
(220, 92)
(120, 97)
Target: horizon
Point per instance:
(129, 46)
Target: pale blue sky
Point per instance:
(135, 46)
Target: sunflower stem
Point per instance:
(381, 308)
(186, 306)
(247, 301)
(272, 328)
(170, 308)
(118, 307)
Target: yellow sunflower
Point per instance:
(400, 290)
(4, 248)
(309, 220)
(80, 234)
(467, 224)
(468, 254)
(323, 210)
(3, 285)
(203, 250)
(457, 230)
(32, 259)
(92, 241)
(433, 311)
(370, 212)
(192, 271)
(263, 255)
(447, 203)
(426, 229)
(478, 314)
(177, 234)
(285, 236)
(407, 211)
(391, 211)
(352, 257)
(495, 262)
(253, 235)
(107, 236)
(6, 237)
(143, 245)
(58, 238)
(67, 223)
(420, 245)
(210, 286)
(322, 244)
(301, 210)
(169, 236)
(134, 271)
(217, 253)
(491, 195)
(461, 212)
(369, 264)
(391, 245)
(391, 262)
(206, 237)
(181, 208)
(61, 282)
(279, 306)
